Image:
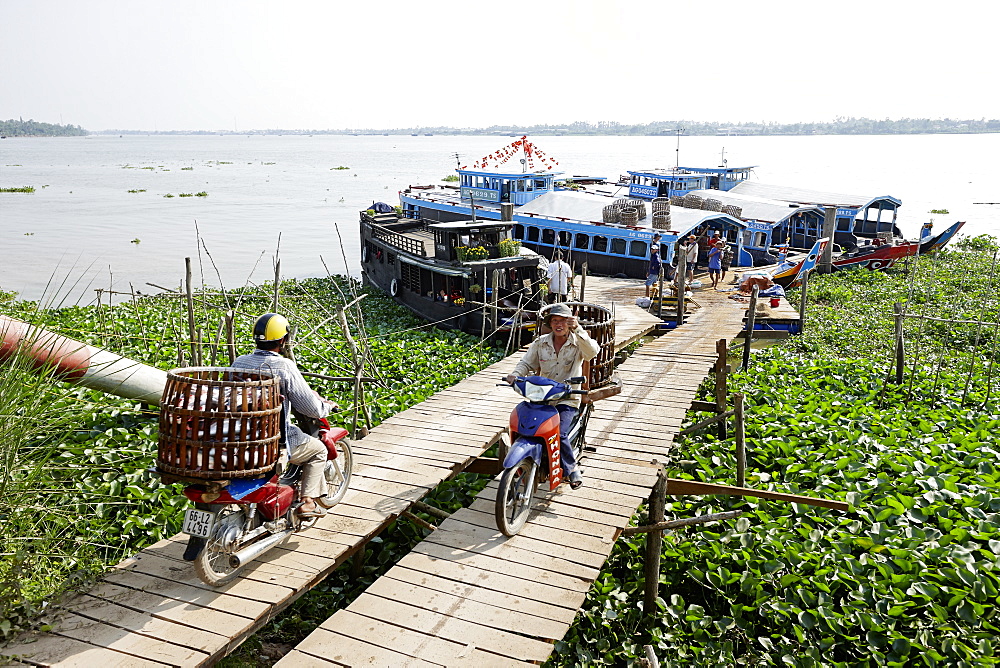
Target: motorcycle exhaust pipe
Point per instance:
(248, 554)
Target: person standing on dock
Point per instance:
(560, 355)
(560, 279)
(715, 263)
(653, 273)
(692, 256)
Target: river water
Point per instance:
(82, 229)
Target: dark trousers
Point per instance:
(566, 415)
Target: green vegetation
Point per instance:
(187, 169)
(911, 576)
(22, 189)
(451, 178)
(168, 195)
(33, 128)
(339, 168)
(141, 190)
(201, 194)
(81, 456)
(939, 211)
(185, 195)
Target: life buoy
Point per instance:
(364, 253)
(394, 287)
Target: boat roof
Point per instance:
(757, 208)
(717, 170)
(806, 196)
(472, 226)
(538, 173)
(589, 208)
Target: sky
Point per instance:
(333, 64)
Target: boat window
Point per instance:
(548, 236)
(582, 241)
(532, 234)
(844, 224)
(760, 239)
(518, 232)
(637, 248)
(539, 184)
(601, 244)
(747, 238)
(618, 246)
(564, 239)
(392, 258)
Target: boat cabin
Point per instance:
(652, 183)
(515, 187)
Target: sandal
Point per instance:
(575, 480)
(318, 511)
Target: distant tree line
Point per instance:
(32, 128)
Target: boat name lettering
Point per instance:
(850, 213)
(636, 190)
(758, 225)
(481, 194)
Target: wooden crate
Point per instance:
(219, 423)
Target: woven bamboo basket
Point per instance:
(677, 200)
(629, 216)
(611, 213)
(733, 210)
(692, 201)
(219, 423)
(660, 204)
(661, 220)
(711, 205)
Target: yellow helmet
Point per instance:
(270, 327)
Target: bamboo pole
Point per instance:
(721, 384)
(677, 524)
(751, 318)
(898, 338)
(802, 302)
(741, 446)
(979, 329)
(190, 310)
(277, 285)
(707, 422)
(583, 281)
(230, 336)
(654, 544)
(681, 282)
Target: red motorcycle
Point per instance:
(235, 521)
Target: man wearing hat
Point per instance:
(653, 273)
(692, 256)
(560, 355)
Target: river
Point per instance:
(82, 229)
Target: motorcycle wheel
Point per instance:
(212, 564)
(338, 475)
(514, 497)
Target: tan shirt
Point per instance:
(541, 359)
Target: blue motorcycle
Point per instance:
(534, 456)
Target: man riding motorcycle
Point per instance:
(560, 355)
(271, 333)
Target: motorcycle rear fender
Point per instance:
(522, 448)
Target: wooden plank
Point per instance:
(323, 647)
(412, 643)
(497, 641)
(549, 529)
(55, 650)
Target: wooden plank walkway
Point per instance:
(151, 610)
(469, 595)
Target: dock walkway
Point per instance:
(151, 609)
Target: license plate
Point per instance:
(197, 522)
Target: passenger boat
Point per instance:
(463, 274)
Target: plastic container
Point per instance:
(775, 301)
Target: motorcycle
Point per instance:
(236, 521)
(534, 456)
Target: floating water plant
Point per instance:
(450, 178)
(201, 194)
(168, 195)
(186, 195)
(140, 190)
(22, 189)
(940, 211)
(338, 168)
(136, 241)
(187, 169)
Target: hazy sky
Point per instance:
(208, 64)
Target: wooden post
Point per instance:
(898, 309)
(583, 281)
(190, 310)
(659, 292)
(277, 285)
(680, 281)
(802, 302)
(825, 265)
(494, 294)
(751, 317)
(741, 448)
(357, 563)
(231, 337)
(721, 384)
(654, 544)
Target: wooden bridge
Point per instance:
(466, 594)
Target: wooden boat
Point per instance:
(872, 256)
(446, 272)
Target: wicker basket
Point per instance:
(733, 210)
(692, 201)
(711, 205)
(629, 216)
(677, 200)
(219, 423)
(661, 220)
(600, 325)
(660, 204)
(611, 213)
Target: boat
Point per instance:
(877, 255)
(467, 274)
(611, 234)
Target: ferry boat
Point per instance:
(446, 272)
(586, 227)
